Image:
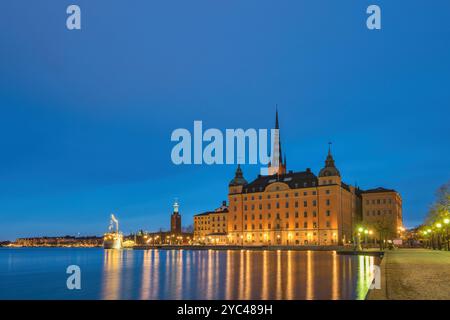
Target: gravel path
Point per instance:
(414, 274)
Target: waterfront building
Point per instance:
(382, 212)
(297, 208)
(211, 227)
(176, 235)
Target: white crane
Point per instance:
(112, 222)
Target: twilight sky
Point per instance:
(86, 116)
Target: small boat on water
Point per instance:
(113, 239)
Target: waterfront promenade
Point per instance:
(414, 274)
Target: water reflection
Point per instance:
(244, 274)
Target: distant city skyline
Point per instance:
(86, 117)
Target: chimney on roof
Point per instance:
(224, 203)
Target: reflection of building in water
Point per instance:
(296, 208)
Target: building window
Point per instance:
(296, 204)
(287, 225)
(328, 202)
(245, 217)
(278, 216)
(328, 213)
(305, 225)
(327, 191)
(260, 226)
(253, 207)
(269, 226)
(260, 206)
(245, 208)
(305, 203)
(314, 225)
(314, 193)
(296, 225)
(260, 216)
(278, 205)
(287, 205)
(287, 215)
(296, 194)
(253, 217)
(314, 203)
(328, 224)
(296, 214)
(268, 206)
(314, 214)
(305, 214)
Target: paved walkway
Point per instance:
(414, 274)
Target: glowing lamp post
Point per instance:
(358, 239)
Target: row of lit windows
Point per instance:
(379, 201)
(296, 194)
(202, 221)
(286, 205)
(287, 215)
(378, 212)
(278, 226)
(213, 230)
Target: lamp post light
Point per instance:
(366, 232)
(358, 239)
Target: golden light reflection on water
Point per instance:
(112, 265)
(243, 274)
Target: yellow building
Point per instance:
(297, 208)
(382, 212)
(211, 227)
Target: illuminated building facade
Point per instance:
(211, 227)
(382, 212)
(296, 208)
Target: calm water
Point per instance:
(40, 273)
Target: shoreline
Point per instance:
(338, 249)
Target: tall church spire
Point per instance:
(276, 165)
(277, 126)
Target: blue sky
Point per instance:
(86, 116)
